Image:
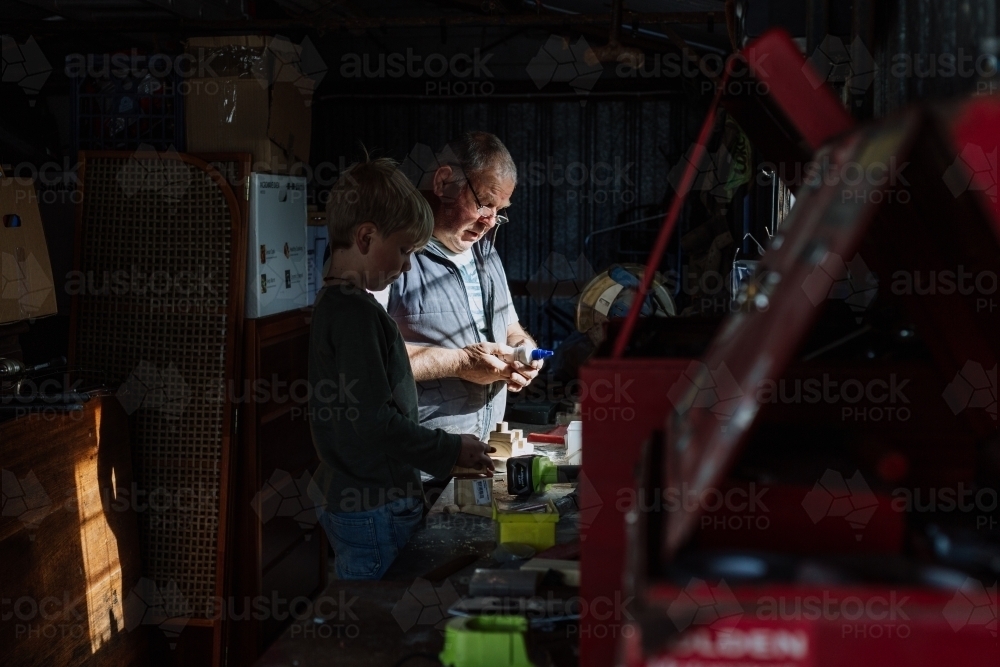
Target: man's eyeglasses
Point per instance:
(486, 211)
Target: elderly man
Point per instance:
(454, 307)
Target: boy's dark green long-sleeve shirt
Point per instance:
(363, 407)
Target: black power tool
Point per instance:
(530, 474)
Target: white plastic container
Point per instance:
(525, 354)
(574, 442)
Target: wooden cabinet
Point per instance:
(281, 550)
(69, 546)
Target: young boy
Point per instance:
(363, 408)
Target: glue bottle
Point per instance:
(525, 354)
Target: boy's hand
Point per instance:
(475, 454)
(482, 366)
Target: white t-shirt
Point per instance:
(466, 264)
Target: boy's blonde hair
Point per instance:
(377, 191)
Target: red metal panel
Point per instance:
(820, 627)
(780, 525)
(934, 627)
(807, 102)
(623, 404)
(783, 105)
(975, 136)
(824, 224)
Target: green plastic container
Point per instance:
(485, 641)
(537, 529)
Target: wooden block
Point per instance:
(474, 492)
(520, 446)
(503, 448)
(474, 496)
(502, 439)
(478, 510)
(460, 471)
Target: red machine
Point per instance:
(785, 516)
(783, 116)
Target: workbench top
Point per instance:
(377, 623)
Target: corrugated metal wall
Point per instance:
(579, 166)
(927, 33)
(619, 150)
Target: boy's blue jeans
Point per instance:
(366, 543)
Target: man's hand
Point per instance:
(475, 454)
(482, 365)
(523, 375)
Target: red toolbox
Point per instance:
(824, 491)
(867, 496)
(782, 105)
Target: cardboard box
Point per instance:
(251, 102)
(26, 286)
(277, 272)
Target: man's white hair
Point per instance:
(479, 153)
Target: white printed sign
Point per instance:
(482, 490)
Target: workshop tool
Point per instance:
(513, 551)
(14, 372)
(531, 474)
(504, 583)
(542, 613)
(12, 368)
(556, 436)
(569, 570)
(568, 503)
(485, 641)
(16, 401)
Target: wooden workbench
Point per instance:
(377, 623)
